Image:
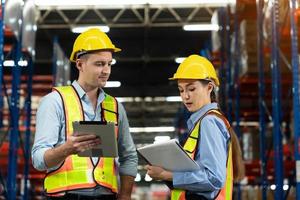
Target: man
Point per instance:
(56, 146)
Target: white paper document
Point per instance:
(168, 155)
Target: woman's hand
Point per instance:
(159, 173)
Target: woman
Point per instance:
(211, 142)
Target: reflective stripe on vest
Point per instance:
(190, 147)
(79, 172)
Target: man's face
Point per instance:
(95, 68)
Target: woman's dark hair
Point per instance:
(213, 96)
(237, 159)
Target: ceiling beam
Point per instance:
(128, 6)
(55, 18)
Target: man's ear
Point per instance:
(79, 64)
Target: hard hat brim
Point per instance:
(115, 49)
(217, 82)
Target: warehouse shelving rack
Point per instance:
(17, 82)
(268, 93)
(14, 109)
(296, 100)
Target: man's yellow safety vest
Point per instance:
(190, 147)
(80, 172)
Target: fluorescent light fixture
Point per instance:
(201, 27)
(251, 123)
(285, 187)
(173, 99)
(179, 59)
(11, 63)
(125, 99)
(152, 129)
(150, 99)
(129, 99)
(113, 62)
(111, 84)
(23, 63)
(80, 29)
(273, 187)
(161, 138)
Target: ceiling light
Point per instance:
(161, 138)
(201, 27)
(80, 29)
(111, 84)
(125, 99)
(150, 99)
(273, 187)
(11, 63)
(113, 61)
(179, 59)
(152, 129)
(23, 63)
(173, 99)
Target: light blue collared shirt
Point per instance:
(211, 156)
(50, 130)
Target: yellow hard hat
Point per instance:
(196, 67)
(91, 40)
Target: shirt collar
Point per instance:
(198, 114)
(82, 93)
(78, 89)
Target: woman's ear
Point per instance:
(210, 87)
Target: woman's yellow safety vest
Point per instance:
(190, 147)
(80, 172)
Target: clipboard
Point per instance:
(168, 155)
(105, 131)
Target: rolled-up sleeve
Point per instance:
(48, 127)
(127, 153)
(211, 157)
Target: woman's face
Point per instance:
(194, 94)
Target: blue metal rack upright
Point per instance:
(222, 73)
(261, 93)
(236, 86)
(236, 74)
(225, 75)
(14, 132)
(1, 58)
(28, 131)
(230, 85)
(229, 82)
(276, 102)
(296, 103)
(14, 121)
